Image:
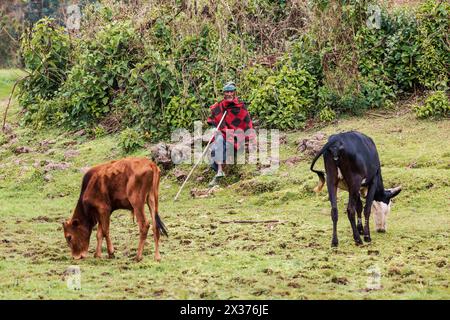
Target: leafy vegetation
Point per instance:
(434, 60)
(46, 55)
(436, 106)
(130, 140)
(156, 69)
(327, 114)
(285, 100)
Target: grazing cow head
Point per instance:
(77, 236)
(381, 209)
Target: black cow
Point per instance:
(352, 158)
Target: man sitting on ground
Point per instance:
(237, 121)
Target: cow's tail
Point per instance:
(155, 192)
(161, 226)
(321, 174)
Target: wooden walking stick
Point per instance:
(199, 160)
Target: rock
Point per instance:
(180, 153)
(339, 280)
(312, 146)
(49, 166)
(161, 155)
(71, 154)
(44, 145)
(9, 140)
(179, 174)
(319, 136)
(20, 150)
(80, 133)
(46, 142)
(47, 178)
(412, 165)
(50, 152)
(203, 193)
(69, 143)
(292, 161)
(7, 129)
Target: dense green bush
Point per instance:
(46, 53)
(285, 100)
(436, 106)
(182, 112)
(130, 140)
(304, 54)
(157, 70)
(432, 38)
(155, 77)
(409, 50)
(252, 78)
(327, 114)
(100, 74)
(153, 83)
(357, 98)
(389, 54)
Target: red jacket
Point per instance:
(237, 119)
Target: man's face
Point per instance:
(229, 95)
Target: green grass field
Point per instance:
(7, 79)
(206, 259)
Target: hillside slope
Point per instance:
(206, 259)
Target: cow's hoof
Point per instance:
(111, 255)
(367, 239)
(358, 242)
(98, 256)
(381, 230)
(138, 259)
(334, 243)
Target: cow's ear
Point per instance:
(75, 223)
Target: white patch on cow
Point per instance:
(340, 176)
(380, 212)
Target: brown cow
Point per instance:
(124, 184)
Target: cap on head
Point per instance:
(230, 86)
